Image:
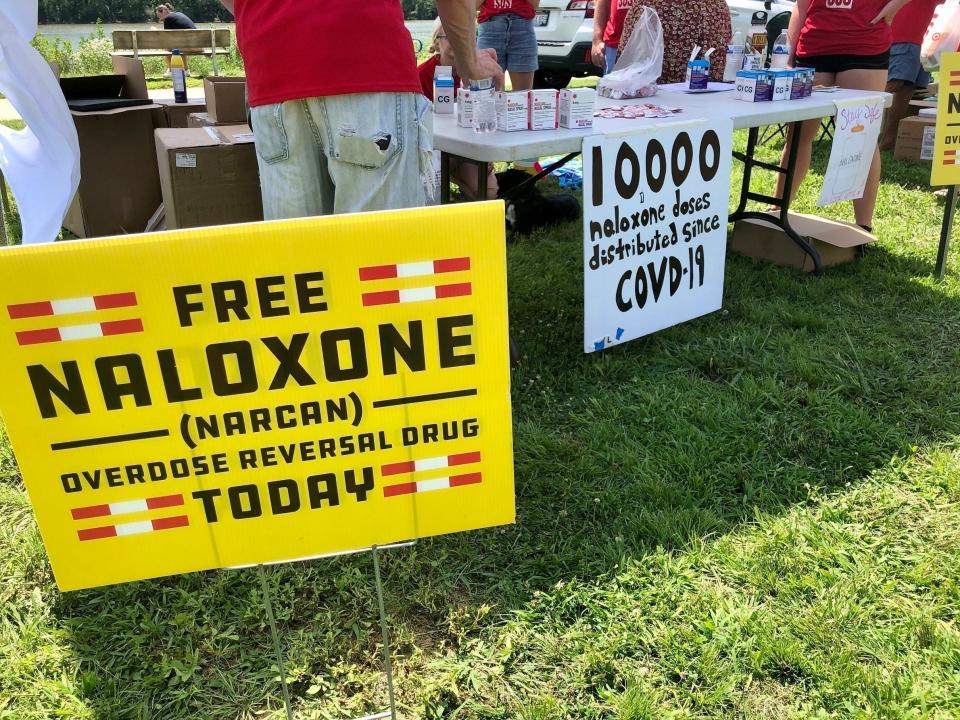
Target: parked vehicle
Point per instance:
(565, 34)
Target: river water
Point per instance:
(419, 29)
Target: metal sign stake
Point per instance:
(948, 210)
(276, 639)
(385, 630)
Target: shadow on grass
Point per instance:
(800, 385)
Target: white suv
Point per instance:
(565, 33)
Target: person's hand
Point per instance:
(486, 66)
(596, 54)
(888, 12)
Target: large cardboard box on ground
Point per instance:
(209, 176)
(178, 114)
(915, 139)
(836, 242)
(119, 182)
(226, 98)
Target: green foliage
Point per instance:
(419, 9)
(751, 516)
(130, 11)
(92, 57)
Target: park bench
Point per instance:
(154, 43)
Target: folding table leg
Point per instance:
(444, 178)
(783, 204)
(483, 169)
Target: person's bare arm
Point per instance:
(601, 14)
(889, 11)
(228, 4)
(459, 18)
(797, 18)
(535, 3)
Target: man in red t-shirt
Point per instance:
(342, 133)
(906, 73)
(608, 18)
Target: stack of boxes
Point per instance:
(534, 109)
(764, 85)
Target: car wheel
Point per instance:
(551, 79)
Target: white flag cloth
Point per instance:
(42, 161)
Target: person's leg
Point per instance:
(521, 57)
(464, 174)
(292, 175)
(492, 35)
(379, 150)
(866, 80)
(808, 133)
(903, 72)
(521, 80)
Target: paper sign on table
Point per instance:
(854, 141)
(946, 152)
(655, 228)
(259, 393)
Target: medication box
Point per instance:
(443, 93)
(576, 108)
(543, 110)
(754, 85)
(782, 84)
(512, 111)
(464, 108)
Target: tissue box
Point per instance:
(512, 110)
(464, 108)
(782, 84)
(576, 108)
(543, 110)
(754, 85)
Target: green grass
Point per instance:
(752, 515)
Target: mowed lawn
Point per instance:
(752, 515)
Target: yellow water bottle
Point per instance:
(178, 72)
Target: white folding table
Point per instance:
(483, 149)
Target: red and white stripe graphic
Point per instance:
(950, 157)
(414, 269)
(441, 483)
(69, 306)
(954, 78)
(79, 332)
(133, 528)
(434, 463)
(127, 506)
(438, 292)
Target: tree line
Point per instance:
(135, 11)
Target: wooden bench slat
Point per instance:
(170, 39)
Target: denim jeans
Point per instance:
(344, 153)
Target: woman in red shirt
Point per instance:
(506, 26)
(847, 43)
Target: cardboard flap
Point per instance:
(135, 81)
(832, 232)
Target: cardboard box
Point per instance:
(576, 107)
(512, 111)
(226, 98)
(178, 114)
(836, 242)
(544, 110)
(203, 119)
(754, 85)
(209, 176)
(782, 84)
(119, 181)
(915, 137)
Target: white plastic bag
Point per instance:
(943, 34)
(641, 62)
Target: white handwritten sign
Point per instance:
(654, 228)
(854, 143)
